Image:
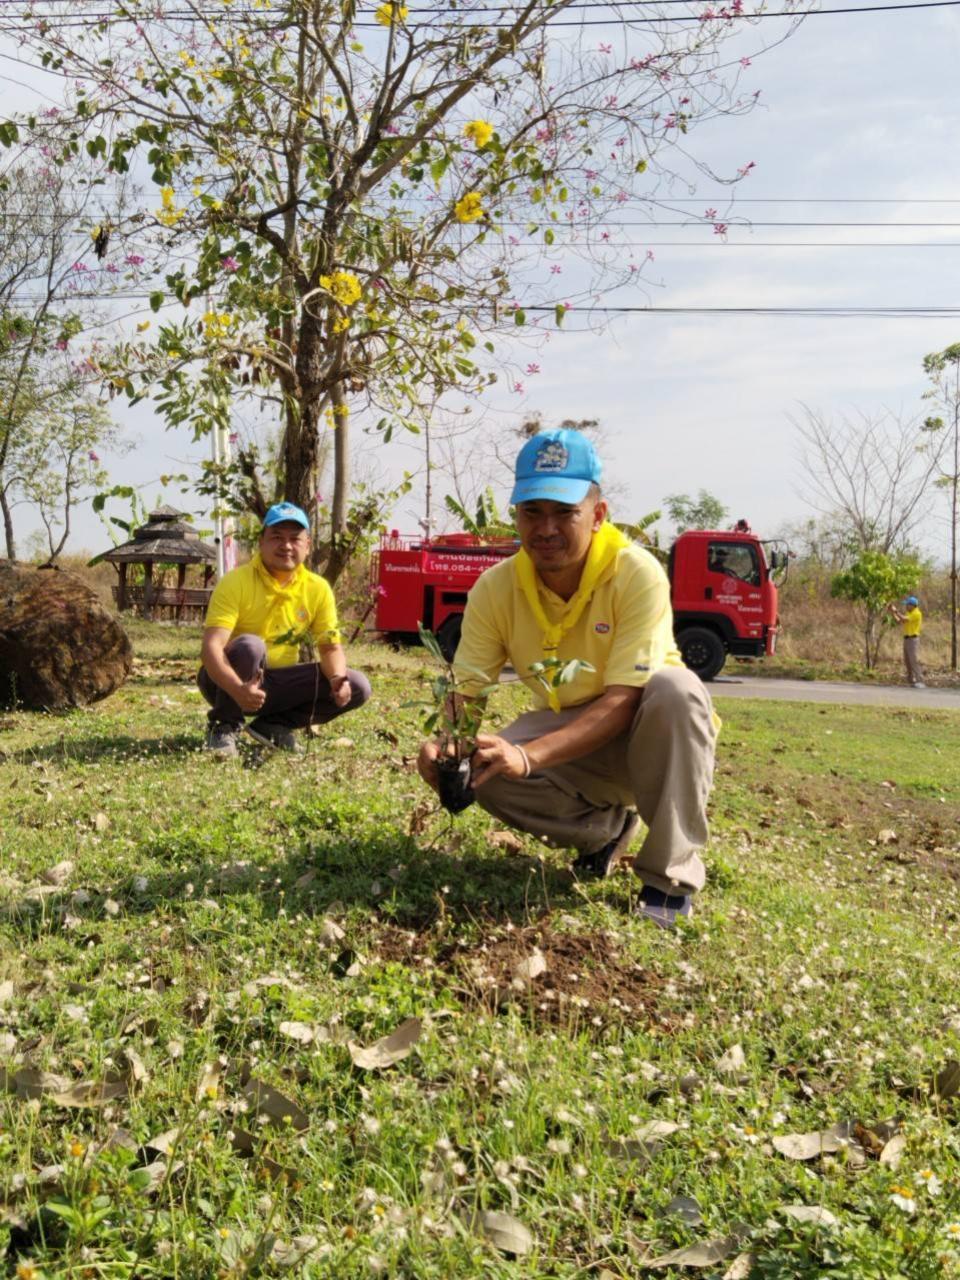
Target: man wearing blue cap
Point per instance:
(257, 618)
(633, 733)
(910, 616)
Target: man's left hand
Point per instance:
(340, 691)
(495, 756)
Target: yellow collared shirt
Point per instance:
(250, 601)
(625, 632)
(913, 622)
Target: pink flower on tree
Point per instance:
(746, 168)
(720, 228)
(556, 269)
(61, 344)
(134, 259)
(532, 368)
(745, 62)
(230, 264)
(93, 457)
(605, 48)
(79, 267)
(518, 388)
(710, 213)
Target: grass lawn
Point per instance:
(195, 952)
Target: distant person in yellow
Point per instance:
(633, 735)
(911, 618)
(256, 619)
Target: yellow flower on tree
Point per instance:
(389, 12)
(216, 324)
(168, 214)
(343, 286)
(478, 131)
(469, 208)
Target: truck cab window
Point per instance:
(736, 560)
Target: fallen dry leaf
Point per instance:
(808, 1213)
(807, 1146)
(58, 875)
(892, 1152)
(732, 1062)
(507, 840)
(388, 1050)
(506, 1233)
(532, 966)
(264, 1100)
(299, 1031)
(741, 1267)
(90, 1093)
(706, 1254)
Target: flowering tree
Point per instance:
(943, 368)
(351, 194)
(48, 422)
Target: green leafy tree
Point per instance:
(943, 369)
(337, 188)
(872, 582)
(703, 512)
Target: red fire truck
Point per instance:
(722, 584)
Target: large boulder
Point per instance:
(59, 647)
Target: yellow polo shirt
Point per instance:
(912, 622)
(250, 601)
(625, 632)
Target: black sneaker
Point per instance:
(221, 741)
(599, 865)
(663, 908)
(273, 735)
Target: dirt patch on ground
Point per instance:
(579, 981)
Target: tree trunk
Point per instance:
(301, 443)
(59, 647)
(8, 526)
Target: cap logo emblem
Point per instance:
(602, 628)
(551, 456)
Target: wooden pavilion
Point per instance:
(165, 539)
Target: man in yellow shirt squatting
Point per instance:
(634, 736)
(911, 618)
(258, 616)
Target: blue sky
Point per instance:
(858, 107)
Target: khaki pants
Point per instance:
(911, 659)
(662, 767)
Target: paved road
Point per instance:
(869, 695)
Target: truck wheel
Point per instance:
(702, 651)
(448, 636)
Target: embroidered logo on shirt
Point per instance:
(551, 456)
(302, 614)
(641, 667)
(602, 628)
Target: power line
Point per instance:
(697, 18)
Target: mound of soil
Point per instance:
(577, 980)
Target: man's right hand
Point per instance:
(427, 758)
(250, 696)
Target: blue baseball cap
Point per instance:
(283, 511)
(911, 600)
(559, 466)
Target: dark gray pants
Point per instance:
(296, 696)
